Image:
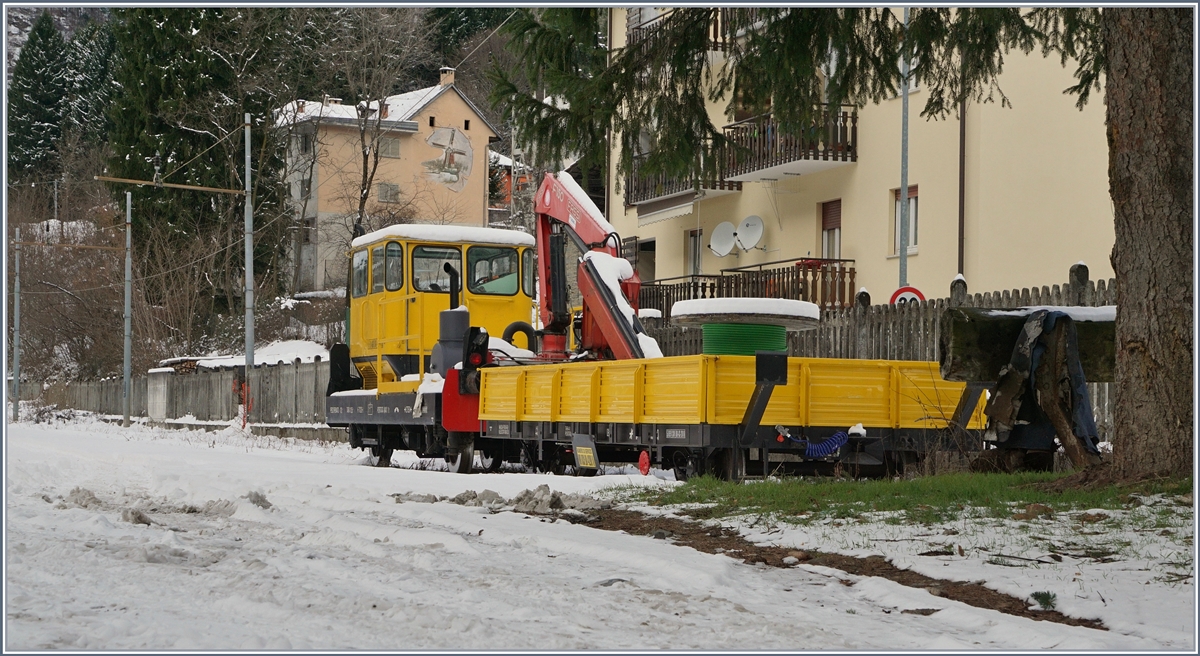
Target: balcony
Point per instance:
(828, 283)
(643, 188)
(643, 34)
(759, 150)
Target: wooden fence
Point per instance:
(281, 394)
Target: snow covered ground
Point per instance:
(263, 543)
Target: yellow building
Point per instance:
(432, 168)
(1035, 189)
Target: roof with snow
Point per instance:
(448, 233)
(401, 109)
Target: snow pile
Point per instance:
(513, 352)
(285, 352)
(447, 233)
(612, 271)
(336, 292)
(734, 306)
(649, 313)
(539, 501)
(431, 383)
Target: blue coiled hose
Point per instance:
(826, 447)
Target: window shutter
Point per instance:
(831, 214)
(912, 192)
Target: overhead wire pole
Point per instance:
(249, 264)
(128, 301)
(903, 193)
(157, 182)
(16, 370)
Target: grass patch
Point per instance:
(931, 499)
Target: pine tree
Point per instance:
(555, 97)
(653, 96)
(36, 102)
(89, 59)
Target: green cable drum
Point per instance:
(742, 338)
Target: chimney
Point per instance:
(447, 76)
(383, 110)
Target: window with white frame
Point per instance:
(388, 192)
(831, 230)
(305, 188)
(389, 147)
(912, 220)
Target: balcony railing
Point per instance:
(720, 33)
(641, 187)
(828, 283)
(758, 143)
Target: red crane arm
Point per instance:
(554, 202)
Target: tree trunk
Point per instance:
(1149, 98)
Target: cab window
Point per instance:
(429, 274)
(527, 266)
(359, 274)
(492, 270)
(377, 269)
(394, 275)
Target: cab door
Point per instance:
(393, 306)
(358, 293)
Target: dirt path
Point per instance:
(728, 542)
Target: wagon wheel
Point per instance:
(460, 459)
(489, 461)
(681, 463)
(383, 455)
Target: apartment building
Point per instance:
(1016, 194)
(433, 168)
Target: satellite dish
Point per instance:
(723, 239)
(749, 232)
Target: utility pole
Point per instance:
(249, 261)
(128, 300)
(903, 217)
(16, 370)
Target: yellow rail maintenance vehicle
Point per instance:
(422, 370)
(401, 279)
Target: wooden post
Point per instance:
(1079, 282)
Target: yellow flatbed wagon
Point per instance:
(691, 405)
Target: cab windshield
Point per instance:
(492, 270)
(428, 263)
